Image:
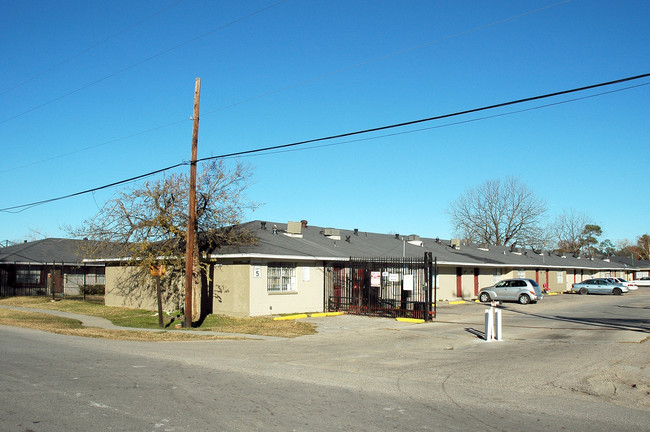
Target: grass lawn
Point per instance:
(138, 318)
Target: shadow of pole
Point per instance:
(479, 334)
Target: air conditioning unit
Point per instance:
(294, 229)
(332, 233)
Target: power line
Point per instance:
(60, 155)
(90, 48)
(133, 65)
(453, 123)
(428, 119)
(22, 207)
(15, 209)
(304, 82)
(386, 56)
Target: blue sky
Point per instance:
(93, 92)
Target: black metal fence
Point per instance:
(391, 287)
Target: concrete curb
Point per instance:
(410, 320)
(304, 315)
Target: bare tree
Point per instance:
(498, 212)
(574, 232)
(640, 250)
(147, 224)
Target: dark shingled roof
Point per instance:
(313, 244)
(45, 251)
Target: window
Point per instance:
(28, 276)
(521, 273)
(560, 276)
(496, 275)
(281, 278)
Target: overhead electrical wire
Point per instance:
(119, 182)
(450, 124)
(22, 207)
(386, 56)
(428, 119)
(133, 65)
(297, 84)
(90, 48)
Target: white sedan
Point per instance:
(642, 282)
(629, 285)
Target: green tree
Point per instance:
(607, 247)
(146, 225)
(589, 238)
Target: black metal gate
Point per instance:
(392, 287)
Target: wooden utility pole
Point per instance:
(191, 214)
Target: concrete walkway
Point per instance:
(103, 323)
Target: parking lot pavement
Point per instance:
(567, 317)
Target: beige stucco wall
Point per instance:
(241, 290)
(308, 296)
(446, 283)
(231, 289)
(123, 289)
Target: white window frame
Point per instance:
(521, 273)
(560, 276)
(281, 277)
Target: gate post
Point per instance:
(428, 273)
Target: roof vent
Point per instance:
(303, 223)
(356, 231)
(263, 225)
(347, 238)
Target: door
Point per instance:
(500, 289)
(516, 287)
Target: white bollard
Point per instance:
(498, 331)
(489, 325)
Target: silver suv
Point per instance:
(522, 290)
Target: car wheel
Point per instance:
(584, 291)
(524, 299)
(484, 297)
(617, 291)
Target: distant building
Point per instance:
(295, 267)
(43, 266)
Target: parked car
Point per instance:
(641, 282)
(522, 290)
(622, 281)
(599, 286)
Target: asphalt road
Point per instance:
(567, 363)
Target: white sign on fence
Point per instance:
(408, 282)
(375, 279)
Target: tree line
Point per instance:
(505, 212)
